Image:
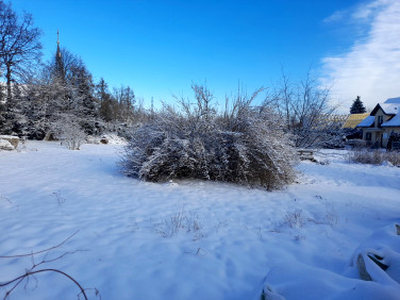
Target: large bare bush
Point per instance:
(245, 144)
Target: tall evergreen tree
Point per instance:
(357, 107)
(107, 102)
(59, 70)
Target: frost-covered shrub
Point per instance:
(181, 221)
(243, 145)
(365, 157)
(375, 157)
(394, 158)
(295, 219)
(69, 132)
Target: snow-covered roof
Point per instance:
(393, 122)
(393, 100)
(367, 122)
(390, 107)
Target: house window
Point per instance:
(368, 136)
(380, 120)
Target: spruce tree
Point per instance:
(59, 70)
(357, 107)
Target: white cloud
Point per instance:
(371, 67)
(336, 16)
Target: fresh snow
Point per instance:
(194, 239)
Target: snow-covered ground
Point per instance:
(193, 239)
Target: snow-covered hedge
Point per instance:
(243, 145)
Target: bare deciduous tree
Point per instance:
(305, 106)
(126, 100)
(19, 43)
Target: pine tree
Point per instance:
(357, 107)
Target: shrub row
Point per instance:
(375, 157)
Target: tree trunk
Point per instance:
(8, 78)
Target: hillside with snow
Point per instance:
(332, 235)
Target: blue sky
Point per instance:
(160, 47)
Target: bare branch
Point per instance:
(19, 279)
(33, 271)
(41, 251)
